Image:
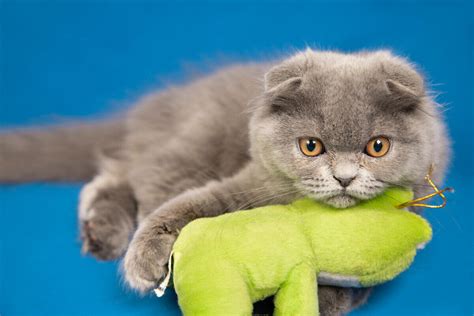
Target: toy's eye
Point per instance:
(310, 146)
(377, 147)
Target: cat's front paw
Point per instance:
(146, 260)
(105, 231)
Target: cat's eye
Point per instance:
(377, 147)
(310, 146)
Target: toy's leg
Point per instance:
(206, 293)
(297, 294)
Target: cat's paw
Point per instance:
(106, 230)
(146, 261)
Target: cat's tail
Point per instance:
(58, 153)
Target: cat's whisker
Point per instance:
(262, 188)
(273, 197)
(266, 197)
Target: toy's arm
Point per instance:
(298, 295)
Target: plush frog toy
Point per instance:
(222, 265)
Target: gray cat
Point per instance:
(336, 127)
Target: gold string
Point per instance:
(415, 202)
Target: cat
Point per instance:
(337, 127)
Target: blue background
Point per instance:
(85, 59)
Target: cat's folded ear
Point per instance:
(288, 86)
(279, 75)
(283, 80)
(283, 97)
(404, 85)
(295, 67)
(401, 97)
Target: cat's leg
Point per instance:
(148, 253)
(337, 301)
(107, 212)
(296, 295)
(168, 175)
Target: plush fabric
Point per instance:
(222, 265)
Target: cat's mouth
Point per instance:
(339, 196)
(342, 200)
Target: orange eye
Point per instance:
(377, 147)
(310, 147)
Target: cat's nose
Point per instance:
(344, 181)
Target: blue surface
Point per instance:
(83, 59)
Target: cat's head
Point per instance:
(343, 127)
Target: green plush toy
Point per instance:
(222, 265)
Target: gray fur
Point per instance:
(59, 153)
(107, 233)
(228, 142)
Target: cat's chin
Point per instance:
(341, 201)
